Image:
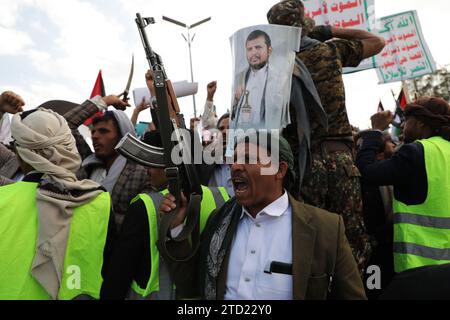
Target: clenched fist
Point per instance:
(381, 120)
(11, 102)
(211, 88)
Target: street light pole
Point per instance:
(189, 41)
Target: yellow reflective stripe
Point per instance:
(422, 220)
(422, 251)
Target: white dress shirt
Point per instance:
(255, 86)
(257, 242)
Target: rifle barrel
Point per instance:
(151, 56)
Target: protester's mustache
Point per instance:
(238, 174)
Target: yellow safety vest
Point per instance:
(159, 285)
(422, 232)
(18, 233)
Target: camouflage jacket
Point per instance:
(325, 62)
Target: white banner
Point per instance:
(406, 55)
(356, 14)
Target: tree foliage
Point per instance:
(436, 84)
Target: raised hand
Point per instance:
(116, 102)
(211, 88)
(381, 120)
(11, 102)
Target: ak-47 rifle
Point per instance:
(182, 178)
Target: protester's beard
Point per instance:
(259, 66)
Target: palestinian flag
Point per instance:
(402, 100)
(99, 90)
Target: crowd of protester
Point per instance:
(346, 214)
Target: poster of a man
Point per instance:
(249, 104)
(263, 61)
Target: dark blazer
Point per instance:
(320, 250)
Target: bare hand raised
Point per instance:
(211, 88)
(381, 120)
(142, 106)
(11, 102)
(116, 102)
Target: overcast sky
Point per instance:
(53, 49)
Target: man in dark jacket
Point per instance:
(420, 175)
(264, 244)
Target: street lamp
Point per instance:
(189, 41)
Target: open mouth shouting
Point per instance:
(241, 186)
(97, 147)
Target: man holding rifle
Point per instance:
(135, 269)
(141, 241)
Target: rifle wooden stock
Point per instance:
(182, 178)
(172, 98)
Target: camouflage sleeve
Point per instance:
(78, 115)
(75, 118)
(349, 52)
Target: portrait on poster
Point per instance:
(263, 61)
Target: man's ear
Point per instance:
(282, 170)
(270, 51)
(422, 126)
